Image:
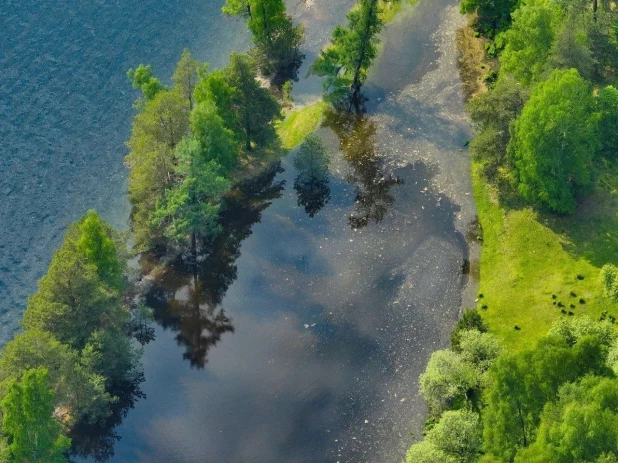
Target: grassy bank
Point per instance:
(300, 123)
(527, 257)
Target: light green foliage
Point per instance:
(470, 320)
(493, 15)
(554, 141)
(188, 208)
(214, 88)
(521, 384)
(81, 392)
(458, 434)
(35, 436)
(609, 280)
(607, 103)
(530, 38)
(73, 299)
(143, 79)
(573, 329)
(427, 452)
(156, 131)
(353, 48)
(185, 76)
(447, 378)
(255, 109)
(217, 143)
(612, 357)
(580, 427)
(99, 248)
(479, 349)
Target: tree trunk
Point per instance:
(194, 251)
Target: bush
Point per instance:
(609, 279)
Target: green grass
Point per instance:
(390, 9)
(528, 256)
(300, 123)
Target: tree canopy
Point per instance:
(554, 141)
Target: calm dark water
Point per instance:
(300, 337)
(66, 109)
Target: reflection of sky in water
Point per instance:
(331, 325)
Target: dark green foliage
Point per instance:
(311, 183)
(277, 40)
(493, 15)
(554, 140)
(189, 208)
(346, 61)
(607, 103)
(34, 435)
(493, 113)
(470, 320)
(253, 106)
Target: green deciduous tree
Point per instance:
(143, 79)
(554, 141)
(35, 436)
(479, 349)
(582, 426)
(530, 38)
(609, 280)
(521, 384)
(448, 378)
(572, 47)
(426, 452)
(470, 320)
(458, 434)
(346, 61)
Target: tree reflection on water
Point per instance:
(372, 182)
(311, 183)
(186, 297)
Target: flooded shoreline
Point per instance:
(300, 337)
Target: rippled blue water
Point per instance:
(65, 112)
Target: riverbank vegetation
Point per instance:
(552, 403)
(544, 175)
(76, 356)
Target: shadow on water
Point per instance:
(371, 180)
(186, 298)
(312, 184)
(97, 441)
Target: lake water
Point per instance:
(301, 337)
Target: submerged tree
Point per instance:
(276, 38)
(346, 61)
(35, 436)
(311, 183)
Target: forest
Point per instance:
(531, 373)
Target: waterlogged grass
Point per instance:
(390, 9)
(527, 258)
(300, 123)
